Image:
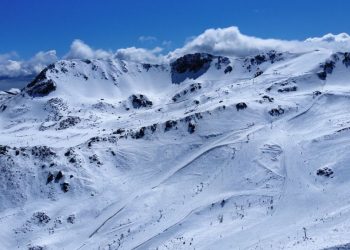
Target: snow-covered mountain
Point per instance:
(207, 152)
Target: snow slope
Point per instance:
(207, 152)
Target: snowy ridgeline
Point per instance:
(208, 152)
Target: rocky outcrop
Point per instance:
(190, 66)
(140, 101)
(41, 85)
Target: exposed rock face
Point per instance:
(140, 101)
(41, 85)
(193, 66)
(40, 89)
(191, 62)
(190, 66)
(346, 59)
(327, 172)
(276, 111)
(169, 125)
(40, 218)
(190, 89)
(228, 69)
(328, 66)
(288, 89)
(69, 122)
(241, 106)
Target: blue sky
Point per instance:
(31, 26)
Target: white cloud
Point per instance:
(11, 66)
(222, 41)
(166, 43)
(80, 50)
(147, 39)
(41, 60)
(140, 55)
(342, 37)
(230, 42)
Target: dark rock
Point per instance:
(153, 127)
(40, 218)
(59, 176)
(119, 131)
(140, 101)
(328, 67)
(276, 111)
(72, 160)
(190, 66)
(87, 61)
(3, 150)
(271, 56)
(191, 127)
(49, 178)
(266, 97)
(191, 62)
(222, 203)
(222, 61)
(346, 60)
(41, 89)
(288, 89)
(65, 187)
(41, 76)
(69, 122)
(258, 73)
(194, 87)
(274, 56)
(139, 134)
(228, 69)
(3, 107)
(327, 172)
(71, 219)
(190, 89)
(42, 152)
(93, 140)
(339, 247)
(94, 158)
(36, 248)
(322, 75)
(241, 106)
(169, 125)
(41, 85)
(259, 59)
(316, 93)
(146, 66)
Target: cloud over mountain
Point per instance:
(11, 66)
(140, 54)
(80, 50)
(231, 42)
(221, 41)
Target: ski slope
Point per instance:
(206, 152)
